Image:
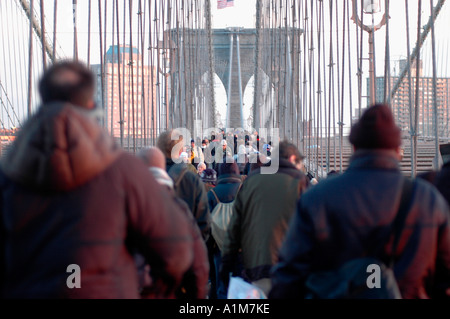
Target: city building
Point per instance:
(130, 96)
(401, 102)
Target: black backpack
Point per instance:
(351, 280)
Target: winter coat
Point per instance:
(189, 187)
(195, 281)
(350, 216)
(261, 214)
(69, 196)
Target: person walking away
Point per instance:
(228, 185)
(187, 184)
(195, 281)
(72, 201)
(209, 178)
(261, 214)
(352, 216)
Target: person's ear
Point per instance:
(293, 159)
(90, 105)
(398, 152)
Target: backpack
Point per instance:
(220, 219)
(351, 280)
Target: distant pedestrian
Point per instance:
(209, 178)
(196, 154)
(200, 168)
(351, 216)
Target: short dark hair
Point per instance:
(67, 81)
(287, 149)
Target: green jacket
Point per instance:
(261, 215)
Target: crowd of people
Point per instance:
(140, 226)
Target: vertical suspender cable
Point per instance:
(89, 33)
(412, 128)
(102, 66)
(151, 76)
(257, 93)
(238, 53)
(30, 64)
(132, 76)
(228, 122)
(158, 65)
(350, 86)
(417, 97)
(338, 76)
(319, 16)
(387, 59)
(113, 67)
(55, 20)
(141, 125)
(331, 88)
(435, 106)
(341, 108)
(75, 32)
(120, 61)
(44, 57)
(211, 65)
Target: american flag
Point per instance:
(222, 4)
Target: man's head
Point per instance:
(290, 152)
(68, 81)
(166, 144)
(153, 157)
(192, 143)
(376, 129)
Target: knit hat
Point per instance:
(228, 168)
(376, 129)
(209, 176)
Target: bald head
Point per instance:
(153, 157)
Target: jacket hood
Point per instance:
(59, 149)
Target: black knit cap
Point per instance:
(376, 129)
